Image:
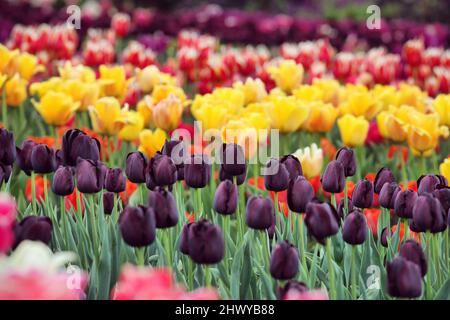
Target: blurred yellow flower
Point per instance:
(145, 108)
(15, 91)
(329, 88)
(150, 76)
(442, 106)
(412, 95)
(322, 117)
(6, 56)
(3, 78)
(41, 88)
(353, 130)
(133, 127)
(78, 72)
(444, 168)
(212, 115)
(26, 65)
(113, 81)
(167, 113)
(107, 116)
(162, 91)
(287, 113)
(85, 93)
(360, 103)
(308, 93)
(385, 95)
(254, 90)
(288, 75)
(151, 141)
(56, 108)
(234, 99)
(311, 159)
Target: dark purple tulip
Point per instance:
(206, 243)
(272, 229)
(300, 193)
(76, 143)
(162, 170)
(232, 158)
(388, 194)
(136, 166)
(412, 251)
(355, 228)
(24, 156)
(225, 176)
(108, 202)
(90, 175)
(197, 171)
(8, 147)
(404, 279)
(346, 157)
(428, 214)
(115, 180)
(333, 178)
(164, 206)
(427, 183)
(176, 150)
(284, 261)
(137, 226)
(259, 213)
(33, 228)
(291, 285)
(63, 183)
(443, 194)
(276, 177)
(320, 220)
(5, 173)
(384, 175)
(43, 159)
(293, 166)
(385, 235)
(341, 206)
(362, 196)
(184, 239)
(226, 198)
(404, 203)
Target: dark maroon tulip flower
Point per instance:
(385, 235)
(8, 147)
(232, 159)
(259, 213)
(115, 180)
(164, 206)
(175, 149)
(276, 176)
(63, 183)
(206, 243)
(293, 166)
(184, 239)
(225, 176)
(443, 194)
(341, 206)
(33, 228)
(75, 144)
(300, 193)
(388, 194)
(136, 166)
(291, 285)
(5, 173)
(43, 159)
(355, 228)
(404, 203)
(320, 220)
(284, 261)
(137, 226)
(427, 183)
(226, 198)
(162, 170)
(362, 196)
(412, 251)
(108, 202)
(404, 278)
(272, 229)
(24, 156)
(346, 157)
(384, 175)
(428, 214)
(333, 178)
(197, 171)
(90, 175)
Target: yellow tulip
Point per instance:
(162, 91)
(353, 130)
(396, 128)
(85, 93)
(26, 65)
(150, 76)
(322, 117)
(151, 141)
(442, 106)
(308, 93)
(412, 95)
(3, 78)
(113, 81)
(288, 75)
(107, 116)
(15, 91)
(41, 88)
(243, 132)
(78, 72)
(287, 114)
(381, 123)
(254, 90)
(6, 56)
(385, 95)
(167, 113)
(212, 115)
(360, 103)
(133, 127)
(56, 108)
(145, 108)
(311, 159)
(329, 88)
(234, 99)
(444, 168)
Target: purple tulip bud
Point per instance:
(5, 173)
(412, 251)
(259, 213)
(75, 144)
(197, 171)
(43, 159)
(8, 147)
(137, 226)
(404, 203)
(362, 196)
(226, 198)
(293, 166)
(176, 149)
(320, 220)
(290, 285)
(115, 180)
(385, 235)
(284, 261)
(333, 178)
(341, 206)
(384, 175)
(33, 228)
(184, 239)
(443, 194)
(404, 278)
(300, 193)
(276, 177)
(136, 166)
(428, 214)
(388, 195)
(90, 175)
(63, 183)
(272, 229)
(346, 157)
(427, 183)
(232, 158)
(108, 202)
(162, 170)
(355, 228)
(164, 206)
(225, 176)
(206, 243)
(24, 156)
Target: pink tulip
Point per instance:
(307, 295)
(7, 218)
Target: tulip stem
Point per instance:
(140, 256)
(33, 191)
(406, 228)
(428, 282)
(331, 270)
(434, 242)
(447, 253)
(93, 226)
(4, 107)
(64, 220)
(45, 190)
(302, 244)
(333, 199)
(346, 198)
(78, 199)
(353, 266)
(207, 276)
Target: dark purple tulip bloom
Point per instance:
(443, 194)
(362, 196)
(43, 159)
(412, 251)
(162, 170)
(404, 278)
(388, 194)
(115, 180)
(232, 158)
(5, 173)
(428, 183)
(404, 203)
(276, 177)
(226, 198)
(24, 156)
(225, 176)
(175, 149)
(384, 175)
(164, 206)
(206, 243)
(385, 235)
(272, 229)
(320, 220)
(76, 143)
(8, 147)
(136, 166)
(284, 261)
(355, 228)
(197, 171)
(293, 166)
(346, 157)
(33, 228)
(333, 178)
(290, 285)
(341, 206)
(137, 226)
(90, 175)
(300, 193)
(184, 239)
(108, 202)
(63, 183)
(259, 213)
(428, 214)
